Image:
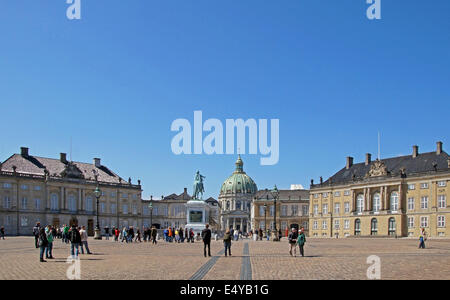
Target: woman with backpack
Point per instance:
(43, 243)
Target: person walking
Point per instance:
(66, 234)
(42, 243)
(301, 242)
(124, 235)
(191, 235)
(206, 237)
(130, 234)
(154, 232)
(260, 234)
(36, 232)
(116, 234)
(138, 236)
(227, 242)
(181, 233)
(293, 236)
(75, 241)
(107, 233)
(50, 238)
(2, 233)
(422, 238)
(84, 240)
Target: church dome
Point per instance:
(239, 182)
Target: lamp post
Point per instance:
(98, 232)
(265, 219)
(150, 207)
(275, 194)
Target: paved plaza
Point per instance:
(262, 260)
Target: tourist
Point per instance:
(116, 234)
(227, 242)
(50, 237)
(36, 232)
(75, 241)
(42, 243)
(84, 240)
(124, 235)
(154, 233)
(177, 236)
(138, 236)
(66, 234)
(422, 238)
(186, 234)
(206, 236)
(181, 232)
(260, 234)
(2, 233)
(293, 236)
(301, 241)
(268, 235)
(191, 235)
(236, 235)
(130, 234)
(107, 233)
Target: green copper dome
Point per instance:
(239, 181)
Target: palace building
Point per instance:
(57, 192)
(389, 197)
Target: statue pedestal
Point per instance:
(197, 213)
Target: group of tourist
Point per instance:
(297, 238)
(128, 234)
(44, 238)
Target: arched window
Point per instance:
(357, 227)
(228, 205)
(238, 205)
(376, 202)
(394, 201)
(360, 203)
(392, 226)
(374, 227)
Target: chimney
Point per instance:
(415, 151)
(368, 159)
(321, 179)
(349, 162)
(63, 158)
(24, 151)
(185, 190)
(97, 162)
(439, 148)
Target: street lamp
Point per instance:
(98, 232)
(275, 194)
(150, 207)
(265, 219)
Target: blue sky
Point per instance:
(114, 81)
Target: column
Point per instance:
(366, 207)
(228, 223)
(234, 223)
(62, 200)
(242, 224)
(353, 201)
(381, 198)
(400, 197)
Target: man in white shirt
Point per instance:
(84, 242)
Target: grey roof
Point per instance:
(36, 165)
(284, 195)
(183, 196)
(401, 166)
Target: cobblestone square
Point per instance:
(324, 259)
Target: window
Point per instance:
(24, 187)
(24, 221)
(305, 225)
(411, 222)
(337, 194)
(24, 203)
(316, 209)
(37, 204)
(6, 202)
(134, 196)
(262, 225)
(442, 183)
(294, 210)
(113, 208)
(441, 221)
(113, 194)
(374, 227)
(145, 210)
(315, 225)
(394, 201)
(360, 203)
(272, 210)
(7, 185)
(283, 225)
(337, 208)
(324, 225)
(284, 210)
(347, 224)
(411, 203)
(124, 195)
(316, 196)
(347, 193)
(8, 220)
(72, 203)
(125, 209)
(54, 202)
(305, 209)
(376, 202)
(134, 207)
(424, 222)
(336, 224)
(102, 207)
(357, 227)
(325, 209)
(411, 187)
(238, 205)
(261, 211)
(37, 187)
(89, 204)
(325, 195)
(442, 201)
(424, 185)
(392, 226)
(347, 207)
(424, 202)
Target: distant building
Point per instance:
(390, 197)
(57, 192)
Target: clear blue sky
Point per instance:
(116, 79)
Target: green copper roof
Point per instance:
(239, 181)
